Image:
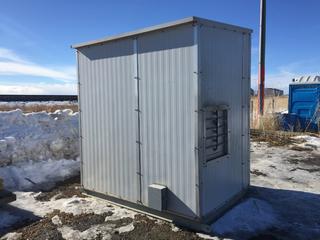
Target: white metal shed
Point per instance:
(164, 117)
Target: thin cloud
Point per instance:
(13, 64)
(42, 89)
(285, 73)
(280, 80)
(9, 55)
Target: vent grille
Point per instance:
(215, 133)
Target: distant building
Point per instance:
(273, 92)
(251, 92)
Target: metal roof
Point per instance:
(306, 80)
(163, 26)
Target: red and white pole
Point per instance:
(262, 48)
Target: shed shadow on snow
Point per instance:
(272, 214)
(13, 218)
(298, 215)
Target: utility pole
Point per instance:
(262, 48)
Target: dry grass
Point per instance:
(271, 104)
(275, 138)
(267, 122)
(39, 107)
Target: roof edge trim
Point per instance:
(163, 26)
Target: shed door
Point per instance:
(108, 118)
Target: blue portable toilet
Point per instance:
(304, 103)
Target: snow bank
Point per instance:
(38, 176)
(251, 216)
(38, 136)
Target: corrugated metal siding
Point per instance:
(166, 66)
(221, 53)
(108, 101)
(246, 83)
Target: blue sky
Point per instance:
(35, 36)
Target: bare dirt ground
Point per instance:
(143, 227)
(65, 189)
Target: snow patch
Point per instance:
(251, 216)
(91, 233)
(310, 141)
(12, 236)
(205, 236)
(174, 228)
(120, 213)
(281, 173)
(69, 233)
(56, 220)
(124, 229)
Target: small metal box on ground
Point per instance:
(157, 197)
(164, 118)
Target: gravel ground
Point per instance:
(143, 227)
